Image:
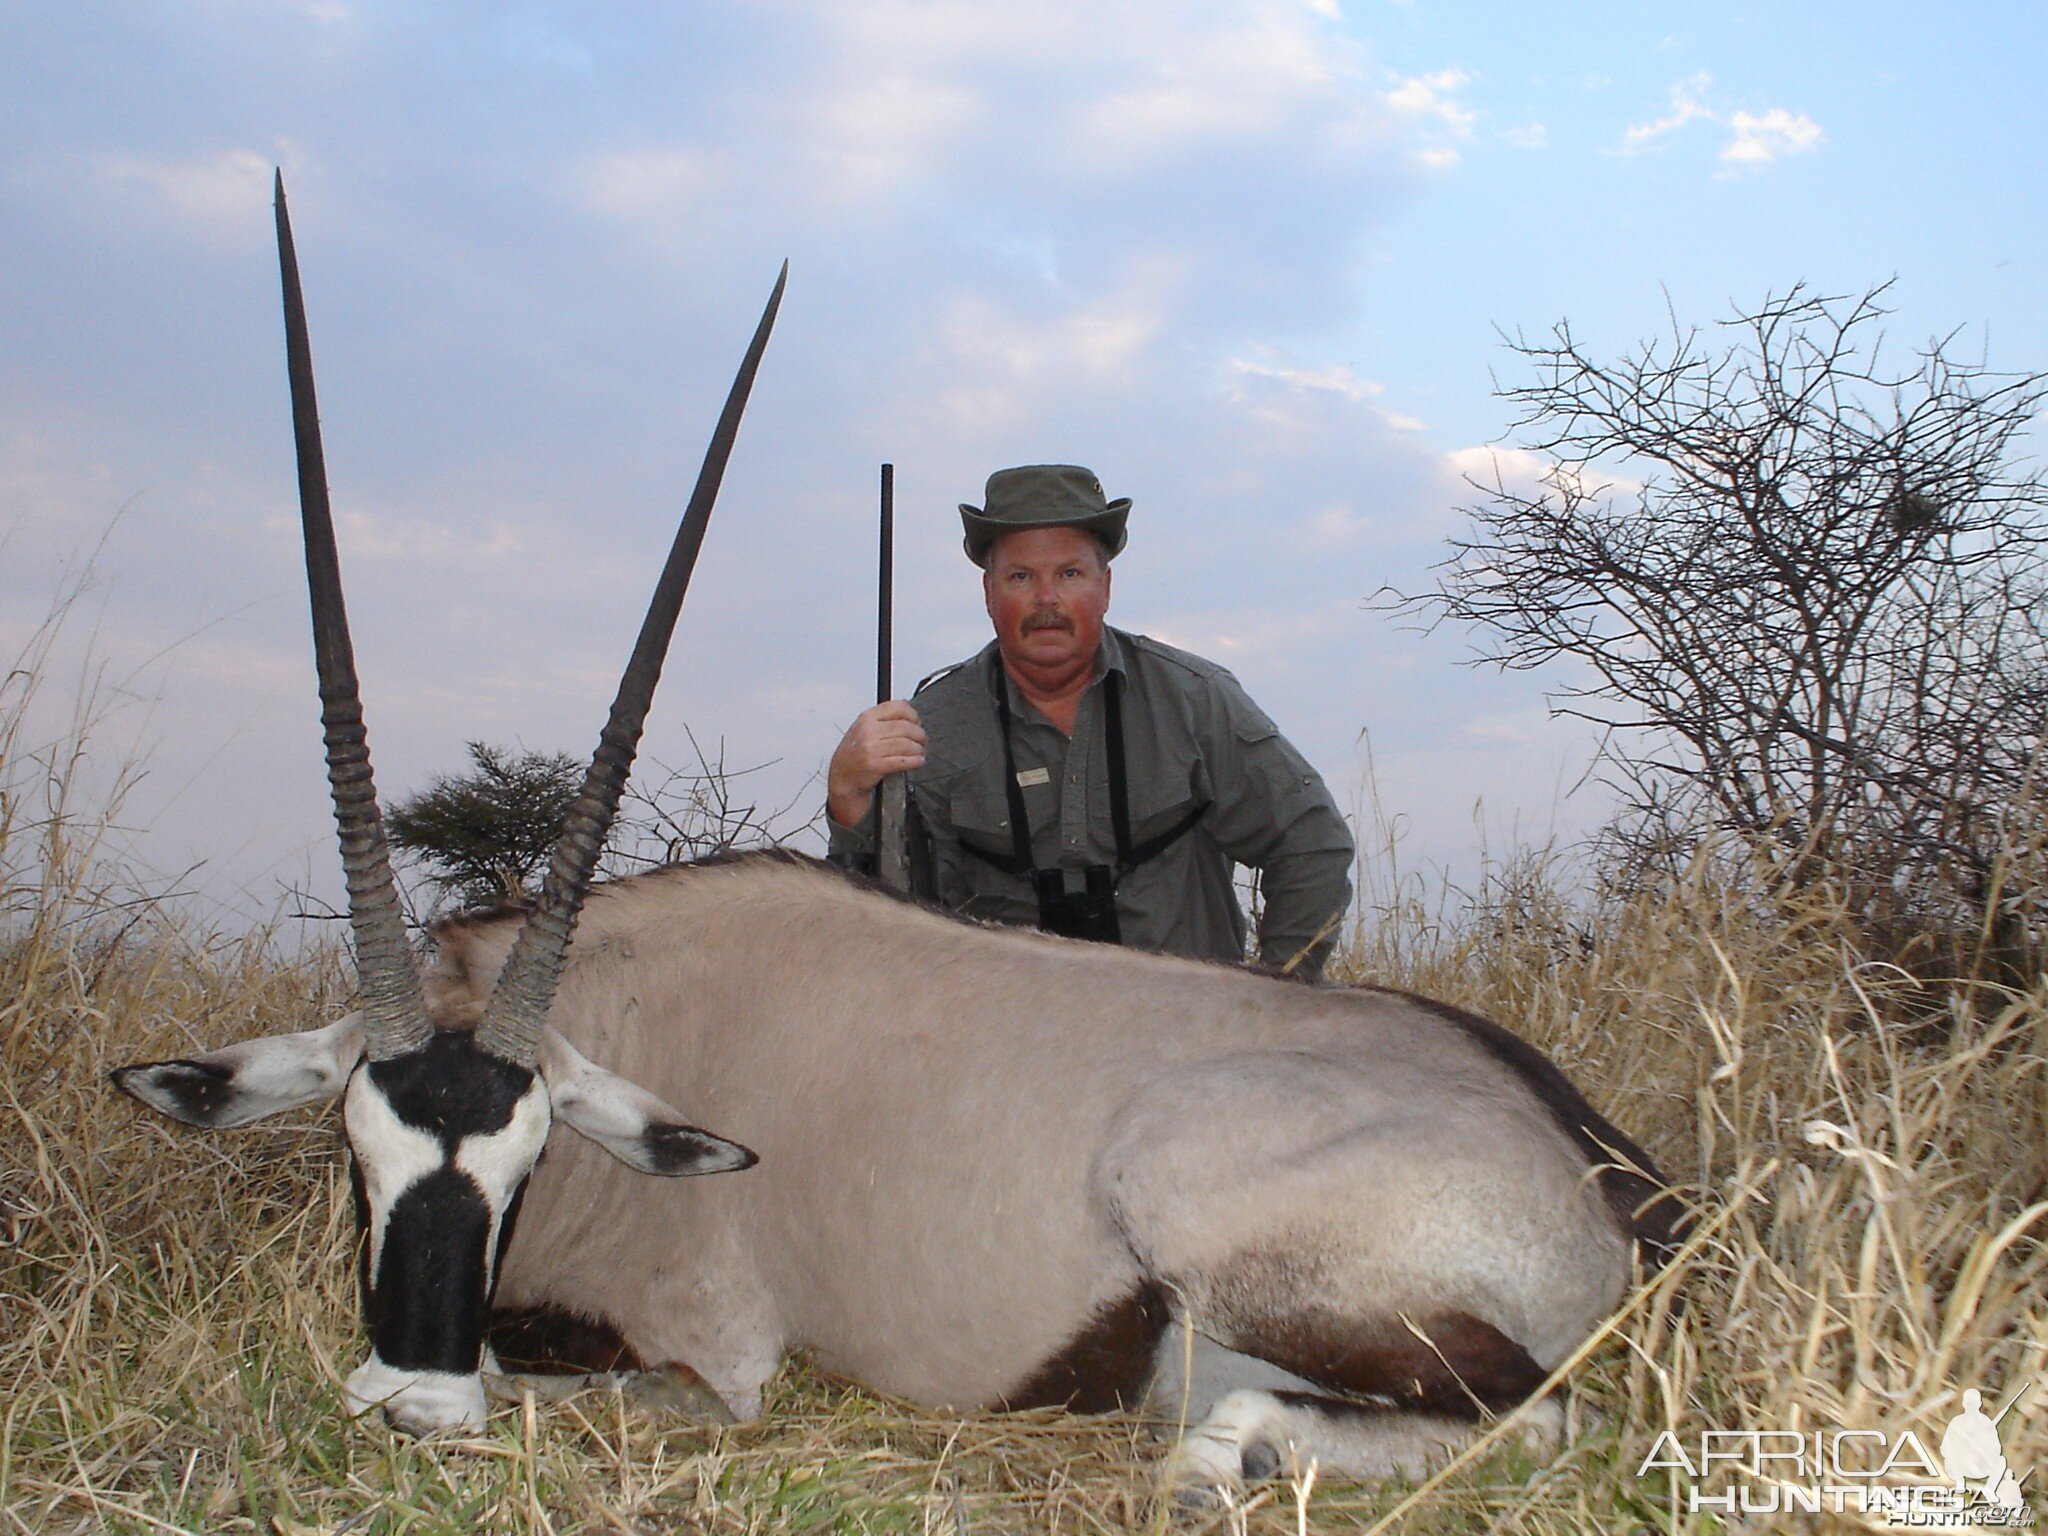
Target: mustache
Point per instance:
(1048, 620)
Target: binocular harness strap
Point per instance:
(1128, 856)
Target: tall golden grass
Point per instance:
(1868, 1157)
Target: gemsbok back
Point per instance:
(995, 1169)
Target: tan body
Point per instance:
(974, 1142)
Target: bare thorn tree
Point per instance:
(1816, 621)
(703, 812)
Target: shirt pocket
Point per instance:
(1167, 792)
(978, 809)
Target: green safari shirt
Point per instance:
(1191, 734)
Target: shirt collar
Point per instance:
(1109, 657)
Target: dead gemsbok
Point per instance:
(995, 1168)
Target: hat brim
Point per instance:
(982, 531)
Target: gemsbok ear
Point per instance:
(629, 1122)
(245, 1082)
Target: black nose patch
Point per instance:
(427, 1307)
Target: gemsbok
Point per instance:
(988, 1168)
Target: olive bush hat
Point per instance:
(1043, 496)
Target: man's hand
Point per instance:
(883, 740)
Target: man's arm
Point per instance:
(1274, 813)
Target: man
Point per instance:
(1089, 782)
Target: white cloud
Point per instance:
(48, 482)
(1001, 363)
(1530, 136)
(1273, 638)
(406, 538)
(1250, 381)
(1521, 729)
(1100, 90)
(1761, 138)
(1337, 526)
(1755, 140)
(1430, 101)
(222, 193)
(1248, 79)
(1433, 96)
(1489, 463)
(652, 183)
(1337, 379)
(1688, 104)
(1522, 473)
(878, 134)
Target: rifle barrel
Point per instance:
(886, 599)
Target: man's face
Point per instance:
(1047, 590)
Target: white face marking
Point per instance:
(417, 1402)
(498, 1161)
(391, 1155)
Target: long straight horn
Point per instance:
(518, 1007)
(394, 1009)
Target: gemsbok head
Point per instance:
(445, 1117)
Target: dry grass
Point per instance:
(177, 1309)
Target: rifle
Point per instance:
(892, 851)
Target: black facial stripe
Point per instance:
(505, 1225)
(361, 1193)
(427, 1309)
(450, 1089)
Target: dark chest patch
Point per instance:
(551, 1341)
(1104, 1366)
(450, 1089)
(1454, 1363)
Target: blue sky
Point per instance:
(1247, 260)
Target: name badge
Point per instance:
(1031, 776)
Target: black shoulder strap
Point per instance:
(1128, 856)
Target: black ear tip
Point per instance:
(196, 1092)
(137, 1075)
(683, 1149)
